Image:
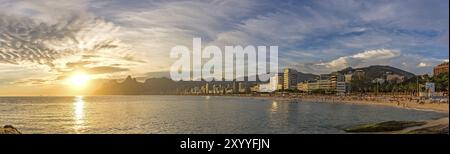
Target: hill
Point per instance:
(378, 71)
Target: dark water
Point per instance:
(189, 114)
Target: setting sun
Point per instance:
(79, 80)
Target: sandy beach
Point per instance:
(436, 107)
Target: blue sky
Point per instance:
(137, 35)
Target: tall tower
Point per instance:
(290, 78)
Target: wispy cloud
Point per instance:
(135, 37)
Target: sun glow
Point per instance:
(79, 80)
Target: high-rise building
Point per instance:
(341, 87)
(276, 81)
(336, 77)
(290, 78)
(441, 68)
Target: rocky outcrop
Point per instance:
(385, 126)
(439, 126)
(8, 129)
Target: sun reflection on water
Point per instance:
(79, 113)
(274, 107)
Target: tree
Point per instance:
(441, 82)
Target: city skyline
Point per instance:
(44, 46)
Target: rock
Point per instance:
(9, 129)
(438, 129)
(385, 126)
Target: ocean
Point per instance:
(157, 114)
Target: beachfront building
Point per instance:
(254, 88)
(290, 78)
(308, 86)
(440, 69)
(275, 83)
(325, 84)
(328, 82)
(341, 87)
(264, 88)
(313, 85)
(303, 86)
(336, 77)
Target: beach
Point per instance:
(432, 126)
(406, 102)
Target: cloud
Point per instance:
(359, 58)
(377, 54)
(30, 81)
(59, 37)
(105, 69)
(316, 37)
(422, 64)
(25, 41)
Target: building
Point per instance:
(325, 84)
(358, 74)
(290, 79)
(243, 88)
(277, 81)
(254, 88)
(308, 86)
(348, 78)
(336, 77)
(341, 87)
(303, 86)
(328, 82)
(378, 80)
(440, 69)
(394, 78)
(313, 85)
(264, 88)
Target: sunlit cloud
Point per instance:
(45, 40)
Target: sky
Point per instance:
(43, 42)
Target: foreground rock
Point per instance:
(438, 129)
(437, 126)
(385, 126)
(8, 129)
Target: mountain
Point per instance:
(378, 71)
(163, 85)
(306, 76)
(127, 87)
